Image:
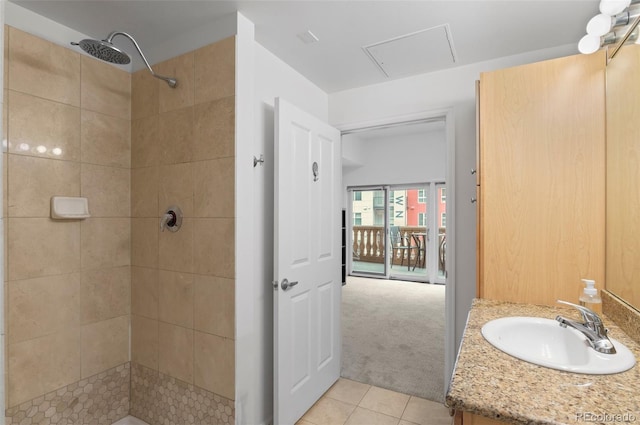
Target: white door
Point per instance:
(307, 261)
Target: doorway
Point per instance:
(395, 156)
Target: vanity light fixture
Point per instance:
(613, 7)
(614, 24)
(592, 43)
(601, 24)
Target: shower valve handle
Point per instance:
(172, 219)
(168, 220)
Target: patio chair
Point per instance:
(400, 243)
(420, 240)
(442, 253)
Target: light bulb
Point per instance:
(589, 44)
(613, 7)
(599, 25)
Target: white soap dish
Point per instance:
(69, 208)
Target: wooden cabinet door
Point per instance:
(471, 419)
(542, 165)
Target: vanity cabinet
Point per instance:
(471, 419)
(541, 180)
(467, 418)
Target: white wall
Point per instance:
(2, 265)
(407, 159)
(254, 294)
(451, 88)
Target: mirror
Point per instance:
(623, 175)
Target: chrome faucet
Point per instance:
(592, 328)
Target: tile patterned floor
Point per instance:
(353, 403)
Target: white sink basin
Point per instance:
(544, 342)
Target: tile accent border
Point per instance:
(159, 399)
(625, 316)
(98, 400)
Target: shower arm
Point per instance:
(171, 81)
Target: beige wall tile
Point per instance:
(42, 247)
(181, 68)
(176, 136)
(145, 183)
(214, 129)
(144, 341)
(5, 246)
(176, 188)
(42, 306)
(176, 298)
(108, 190)
(105, 345)
(145, 90)
(144, 292)
(5, 109)
(215, 364)
(5, 185)
(176, 351)
(214, 305)
(33, 181)
(214, 188)
(144, 241)
(6, 57)
(55, 134)
(104, 294)
(106, 242)
(105, 88)
(145, 144)
(215, 67)
(176, 248)
(43, 69)
(44, 364)
(214, 247)
(105, 140)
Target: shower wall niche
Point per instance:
(83, 295)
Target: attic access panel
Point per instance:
(419, 52)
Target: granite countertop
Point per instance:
(493, 384)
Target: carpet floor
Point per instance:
(393, 335)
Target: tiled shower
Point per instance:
(109, 315)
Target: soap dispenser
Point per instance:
(589, 297)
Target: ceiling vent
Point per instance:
(419, 52)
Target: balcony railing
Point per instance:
(369, 244)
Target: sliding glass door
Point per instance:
(408, 225)
(399, 232)
(440, 243)
(368, 230)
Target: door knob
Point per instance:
(286, 284)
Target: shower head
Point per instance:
(106, 51)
